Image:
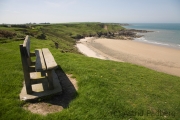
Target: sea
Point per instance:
(164, 34)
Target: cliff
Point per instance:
(124, 34)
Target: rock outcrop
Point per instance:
(126, 34)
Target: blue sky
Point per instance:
(61, 11)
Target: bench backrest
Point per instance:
(24, 60)
(26, 44)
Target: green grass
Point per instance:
(107, 89)
(65, 35)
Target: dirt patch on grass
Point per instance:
(43, 108)
(58, 102)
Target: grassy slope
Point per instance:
(107, 89)
(63, 35)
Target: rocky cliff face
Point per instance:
(127, 34)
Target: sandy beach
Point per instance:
(159, 58)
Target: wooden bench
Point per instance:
(43, 67)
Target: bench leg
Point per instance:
(28, 87)
(45, 83)
(27, 82)
(50, 79)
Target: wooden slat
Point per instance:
(49, 59)
(40, 64)
(36, 76)
(26, 44)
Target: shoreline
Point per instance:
(84, 46)
(159, 58)
(166, 45)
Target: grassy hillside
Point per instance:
(64, 36)
(107, 89)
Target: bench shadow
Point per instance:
(68, 91)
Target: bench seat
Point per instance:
(44, 60)
(49, 59)
(45, 63)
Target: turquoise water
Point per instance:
(165, 34)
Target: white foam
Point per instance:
(142, 39)
(161, 43)
(86, 39)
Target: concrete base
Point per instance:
(41, 90)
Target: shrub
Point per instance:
(7, 34)
(42, 36)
